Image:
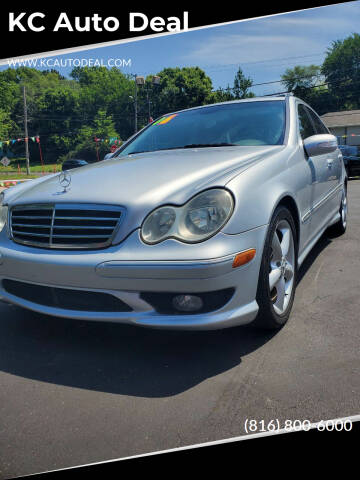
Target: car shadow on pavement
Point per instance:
(320, 245)
(123, 359)
(117, 358)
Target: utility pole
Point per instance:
(140, 80)
(26, 133)
(135, 105)
(136, 80)
(148, 102)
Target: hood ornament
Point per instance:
(65, 180)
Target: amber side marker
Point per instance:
(244, 257)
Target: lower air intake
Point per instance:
(65, 298)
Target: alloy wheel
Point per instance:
(344, 209)
(282, 266)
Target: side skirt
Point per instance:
(309, 247)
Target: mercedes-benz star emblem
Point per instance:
(65, 180)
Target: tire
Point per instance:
(339, 228)
(278, 272)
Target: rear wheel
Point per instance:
(277, 279)
(339, 228)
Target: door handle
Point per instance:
(330, 162)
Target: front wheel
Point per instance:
(277, 279)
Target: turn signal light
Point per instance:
(244, 257)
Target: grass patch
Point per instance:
(6, 176)
(35, 167)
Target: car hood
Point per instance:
(141, 182)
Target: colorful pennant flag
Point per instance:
(25, 139)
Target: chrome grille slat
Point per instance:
(70, 226)
(80, 236)
(80, 227)
(32, 217)
(28, 225)
(112, 219)
(59, 236)
(31, 234)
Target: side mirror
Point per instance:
(320, 144)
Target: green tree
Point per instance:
(102, 127)
(341, 69)
(7, 126)
(182, 88)
(240, 89)
(42, 87)
(107, 89)
(242, 86)
(307, 83)
(301, 78)
(223, 95)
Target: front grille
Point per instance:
(65, 298)
(65, 226)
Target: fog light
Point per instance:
(187, 303)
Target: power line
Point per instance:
(283, 81)
(220, 67)
(274, 59)
(118, 116)
(310, 87)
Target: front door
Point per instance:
(325, 175)
(332, 165)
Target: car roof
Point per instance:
(245, 100)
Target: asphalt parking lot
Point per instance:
(74, 392)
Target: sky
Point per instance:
(263, 48)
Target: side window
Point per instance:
(319, 126)
(305, 125)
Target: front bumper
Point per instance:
(132, 267)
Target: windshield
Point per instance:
(247, 123)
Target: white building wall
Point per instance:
(356, 139)
(349, 131)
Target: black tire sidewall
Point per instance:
(341, 226)
(267, 317)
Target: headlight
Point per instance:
(3, 212)
(200, 218)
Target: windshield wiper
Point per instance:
(203, 145)
(191, 145)
(157, 150)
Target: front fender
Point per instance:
(259, 190)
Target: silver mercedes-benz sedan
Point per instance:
(199, 221)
